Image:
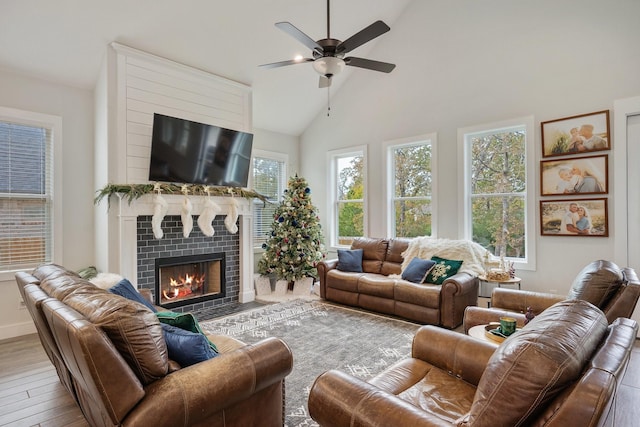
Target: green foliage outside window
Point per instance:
(498, 185)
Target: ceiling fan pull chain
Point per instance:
(328, 101)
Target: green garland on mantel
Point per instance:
(134, 191)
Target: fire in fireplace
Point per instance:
(189, 279)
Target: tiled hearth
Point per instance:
(173, 244)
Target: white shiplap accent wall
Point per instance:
(133, 86)
(150, 84)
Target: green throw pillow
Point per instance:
(443, 269)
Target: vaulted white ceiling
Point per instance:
(64, 41)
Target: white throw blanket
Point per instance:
(470, 252)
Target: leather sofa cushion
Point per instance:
(374, 253)
(597, 283)
(133, 329)
(532, 366)
(393, 261)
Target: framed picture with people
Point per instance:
(573, 135)
(576, 175)
(578, 217)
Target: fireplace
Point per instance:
(190, 279)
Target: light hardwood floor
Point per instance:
(31, 394)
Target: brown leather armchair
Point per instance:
(557, 371)
(613, 290)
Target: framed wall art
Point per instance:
(576, 134)
(578, 217)
(584, 175)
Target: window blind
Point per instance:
(268, 180)
(26, 187)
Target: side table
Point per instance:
(484, 281)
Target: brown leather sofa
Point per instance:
(441, 305)
(612, 289)
(562, 369)
(111, 355)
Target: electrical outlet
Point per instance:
(21, 305)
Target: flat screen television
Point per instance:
(189, 152)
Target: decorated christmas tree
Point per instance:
(296, 243)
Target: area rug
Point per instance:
(322, 336)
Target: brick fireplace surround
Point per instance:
(134, 248)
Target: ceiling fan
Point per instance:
(329, 54)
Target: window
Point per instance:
(410, 178)
(498, 189)
(27, 184)
(269, 179)
(347, 195)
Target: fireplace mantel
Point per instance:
(123, 241)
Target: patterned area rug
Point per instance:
(322, 336)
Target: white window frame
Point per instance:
(389, 146)
(332, 194)
(464, 208)
(278, 157)
(54, 124)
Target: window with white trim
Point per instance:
(27, 189)
(348, 176)
(498, 189)
(269, 178)
(410, 187)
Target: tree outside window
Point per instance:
(498, 191)
(411, 183)
(269, 179)
(349, 177)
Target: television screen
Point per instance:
(188, 152)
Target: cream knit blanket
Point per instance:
(470, 252)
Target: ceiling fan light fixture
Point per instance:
(328, 65)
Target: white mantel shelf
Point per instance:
(123, 244)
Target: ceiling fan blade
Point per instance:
(369, 64)
(285, 63)
(324, 82)
(363, 36)
(294, 32)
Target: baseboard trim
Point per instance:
(17, 330)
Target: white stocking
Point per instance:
(209, 212)
(159, 211)
(232, 217)
(187, 219)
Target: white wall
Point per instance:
(465, 63)
(75, 106)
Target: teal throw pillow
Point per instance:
(124, 288)
(350, 260)
(186, 347)
(443, 269)
(417, 270)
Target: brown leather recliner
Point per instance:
(562, 369)
(111, 355)
(612, 289)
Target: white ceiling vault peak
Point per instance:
(65, 42)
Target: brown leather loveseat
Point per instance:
(111, 355)
(562, 369)
(373, 289)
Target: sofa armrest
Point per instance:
(460, 355)
(458, 292)
(474, 316)
(518, 301)
(323, 268)
(197, 392)
(338, 399)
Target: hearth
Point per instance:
(190, 279)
